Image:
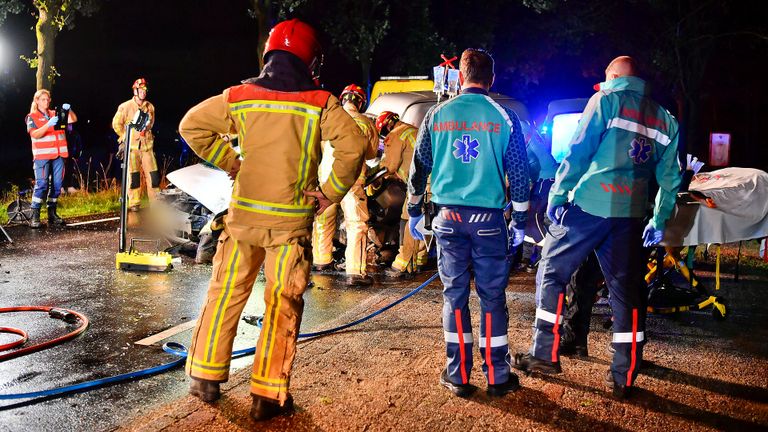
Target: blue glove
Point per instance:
(517, 235)
(555, 213)
(412, 222)
(652, 236)
(66, 106)
(53, 121)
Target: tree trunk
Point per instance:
(46, 32)
(261, 8)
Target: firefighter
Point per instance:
(471, 145)
(49, 149)
(399, 139)
(280, 117)
(624, 141)
(142, 155)
(354, 205)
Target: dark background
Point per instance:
(191, 50)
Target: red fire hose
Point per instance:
(66, 315)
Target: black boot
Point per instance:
(207, 391)
(265, 409)
(53, 217)
(528, 363)
(34, 222)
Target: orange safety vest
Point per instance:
(51, 145)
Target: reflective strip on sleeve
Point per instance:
(501, 111)
(547, 316)
(273, 208)
(631, 126)
(454, 337)
(337, 185)
(627, 337)
(496, 341)
(520, 206)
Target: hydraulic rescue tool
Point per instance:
(159, 261)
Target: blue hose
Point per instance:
(180, 351)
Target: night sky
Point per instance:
(191, 50)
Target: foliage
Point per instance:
(76, 204)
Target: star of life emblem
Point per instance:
(466, 149)
(640, 151)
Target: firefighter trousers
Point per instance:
(139, 161)
(413, 253)
(286, 256)
(355, 208)
(617, 244)
(323, 230)
(474, 240)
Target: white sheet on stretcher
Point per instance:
(741, 195)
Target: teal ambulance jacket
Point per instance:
(623, 139)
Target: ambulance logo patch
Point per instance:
(466, 149)
(640, 151)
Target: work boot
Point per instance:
(359, 280)
(460, 390)
(324, 268)
(34, 221)
(619, 391)
(573, 349)
(264, 409)
(53, 217)
(528, 363)
(498, 390)
(207, 391)
(394, 273)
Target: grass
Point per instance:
(75, 204)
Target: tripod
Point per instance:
(20, 210)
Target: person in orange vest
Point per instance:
(280, 117)
(49, 149)
(399, 140)
(142, 155)
(354, 205)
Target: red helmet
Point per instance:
(385, 122)
(298, 38)
(140, 83)
(355, 94)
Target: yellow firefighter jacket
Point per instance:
(279, 135)
(398, 150)
(369, 131)
(139, 140)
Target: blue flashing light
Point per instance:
(563, 128)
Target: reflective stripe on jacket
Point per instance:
(125, 113)
(279, 135)
(51, 145)
(398, 150)
(623, 140)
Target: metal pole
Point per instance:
(124, 188)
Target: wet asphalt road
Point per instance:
(74, 268)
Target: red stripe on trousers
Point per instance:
(488, 334)
(556, 329)
(462, 354)
(634, 348)
(459, 216)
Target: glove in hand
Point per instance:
(66, 106)
(53, 121)
(693, 163)
(555, 213)
(412, 223)
(652, 236)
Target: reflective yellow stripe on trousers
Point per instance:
(271, 316)
(230, 277)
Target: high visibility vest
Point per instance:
(51, 145)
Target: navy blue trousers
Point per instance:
(45, 169)
(476, 238)
(617, 242)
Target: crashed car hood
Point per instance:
(212, 187)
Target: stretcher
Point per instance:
(724, 206)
